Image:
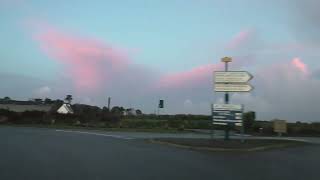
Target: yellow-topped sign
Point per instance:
(226, 59)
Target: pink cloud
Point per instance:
(240, 39)
(89, 62)
(283, 75)
(200, 75)
(192, 77)
(301, 66)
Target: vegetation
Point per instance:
(68, 99)
(248, 121)
(119, 117)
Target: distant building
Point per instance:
(130, 112)
(65, 109)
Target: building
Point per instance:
(130, 112)
(65, 109)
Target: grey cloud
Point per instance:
(282, 91)
(304, 17)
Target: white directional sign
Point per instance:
(233, 87)
(223, 123)
(228, 107)
(224, 114)
(232, 77)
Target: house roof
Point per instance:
(66, 107)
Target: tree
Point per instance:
(138, 112)
(122, 109)
(48, 101)
(6, 98)
(105, 109)
(248, 120)
(38, 100)
(58, 102)
(68, 99)
(117, 110)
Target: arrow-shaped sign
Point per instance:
(233, 87)
(232, 76)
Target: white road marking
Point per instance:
(97, 134)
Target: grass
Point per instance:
(231, 145)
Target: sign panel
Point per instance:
(224, 114)
(233, 87)
(230, 107)
(224, 124)
(280, 126)
(232, 76)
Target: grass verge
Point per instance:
(249, 145)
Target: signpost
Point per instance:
(229, 81)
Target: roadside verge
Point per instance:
(250, 145)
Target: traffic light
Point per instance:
(161, 104)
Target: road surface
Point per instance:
(38, 154)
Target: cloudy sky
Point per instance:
(139, 51)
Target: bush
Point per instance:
(65, 118)
(9, 115)
(248, 121)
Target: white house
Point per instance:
(130, 112)
(65, 109)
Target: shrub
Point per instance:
(65, 118)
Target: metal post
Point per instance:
(226, 101)
(212, 125)
(242, 127)
(242, 133)
(226, 60)
(226, 95)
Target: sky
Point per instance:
(140, 51)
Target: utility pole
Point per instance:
(226, 60)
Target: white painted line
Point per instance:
(97, 134)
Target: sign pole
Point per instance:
(226, 95)
(226, 81)
(212, 125)
(242, 127)
(226, 60)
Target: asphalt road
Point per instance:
(39, 154)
